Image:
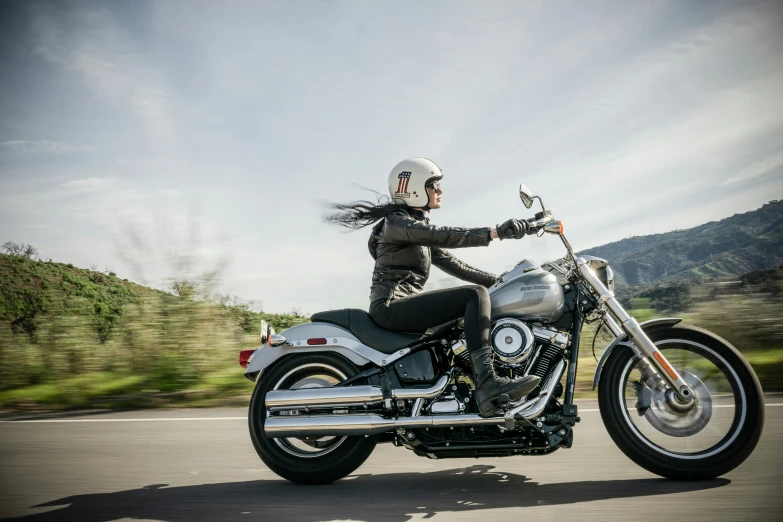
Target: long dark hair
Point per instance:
(359, 214)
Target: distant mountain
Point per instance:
(730, 247)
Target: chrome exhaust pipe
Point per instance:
(277, 400)
(369, 424)
(363, 424)
(533, 408)
(321, 397)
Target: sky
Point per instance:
(165, 140)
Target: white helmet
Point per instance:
(408, 179)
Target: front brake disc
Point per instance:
(675, 422)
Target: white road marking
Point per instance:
(162, 419)
(175, 419)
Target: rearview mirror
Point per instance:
(526, 195)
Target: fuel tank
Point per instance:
(527, 292)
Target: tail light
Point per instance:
(245, 356)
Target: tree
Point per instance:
(20, 250)
(185, 289)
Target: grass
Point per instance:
(72, 392)
(39, 393)
(762, 358)
(107, 390)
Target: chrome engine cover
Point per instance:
(448, 405)
(512, 340)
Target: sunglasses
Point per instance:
(434, 186)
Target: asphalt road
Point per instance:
(199, 465)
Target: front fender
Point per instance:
(622, 340)
(338, 340)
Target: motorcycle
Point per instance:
(678, 400)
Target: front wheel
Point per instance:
(306, 460)
(697, 441)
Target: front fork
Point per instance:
(652, 358)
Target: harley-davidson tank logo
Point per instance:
(535, 287)
(402, 186)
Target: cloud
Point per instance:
(39, 147)
(37, 225)
(89, 184)
(89, 42)
(757, 169)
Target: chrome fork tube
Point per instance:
(613, 326)
(632, 328)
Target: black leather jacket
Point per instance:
(404, 244)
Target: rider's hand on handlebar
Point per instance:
(512, 229)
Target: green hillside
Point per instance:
(733, 246)
(75, 337)
(31, 291)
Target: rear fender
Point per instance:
(623, 340)
(338, 340)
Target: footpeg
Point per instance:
(502, 401)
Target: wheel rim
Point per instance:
(308, 376)
(708, 428)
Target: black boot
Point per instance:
(489, 386)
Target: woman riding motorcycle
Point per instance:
(404, 244)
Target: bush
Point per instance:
(749, 316)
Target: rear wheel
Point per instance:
(701, 440)
(306, 460)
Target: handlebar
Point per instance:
(544, 221)
(537, 223)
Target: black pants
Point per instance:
(419, 312)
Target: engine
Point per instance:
(521, 349)
(512, 341)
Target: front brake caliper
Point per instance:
(644, 396)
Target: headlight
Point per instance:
(602, 270)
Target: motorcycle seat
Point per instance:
(359, 323)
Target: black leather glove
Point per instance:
(512, 229)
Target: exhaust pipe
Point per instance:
(363, 424)
(531, 409)
(369, 424)
(277, 400)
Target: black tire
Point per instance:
(727, 453)
(348, 453)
